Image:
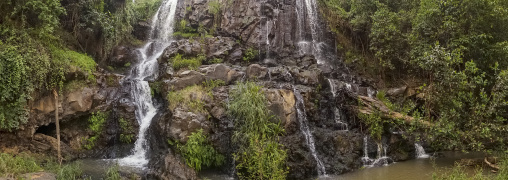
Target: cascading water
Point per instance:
(336, 111)
(160, 37)
(304, 127)
(307, 16)
(381, 159)
(420, 152)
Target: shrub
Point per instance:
(126, 128)
(260, 156)
(249, 54)
(190, 63)
(96, 125)
(198, 153)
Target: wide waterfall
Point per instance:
(160, 37)
(304, 127)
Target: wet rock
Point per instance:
(281, 103)
(184, 123)
(220, 72)
(185, 79)
(121, 56)
(255, 71)
(141, 30)
(174, 168)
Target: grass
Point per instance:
(190, 98)
(71, 60)
(458, 172)
(12, 166)
(113, 173)
(190, 63)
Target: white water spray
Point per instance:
(304, 127)
(160, 36)
(307, 13)
(420, 152)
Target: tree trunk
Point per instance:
(57, 123)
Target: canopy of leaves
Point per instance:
(458, 49)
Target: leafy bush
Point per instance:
(198, 153)
(260, 156)
(191, 63)
(96, 125)
(126, 128)
(249, 54)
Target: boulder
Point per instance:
(185, 79)
(184, 123)
(281, 103)
(255, 71)
(174, 168)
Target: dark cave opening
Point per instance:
(49, 130)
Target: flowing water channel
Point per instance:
(146, 69)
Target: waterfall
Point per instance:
(420, 152)
(160, 37)
(307, 13)
(304, 127)
(336, 111)
(381, 160)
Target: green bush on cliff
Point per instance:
(180, 62)
(191, 98)
(260, 155)
(95, 124)
(199, 153)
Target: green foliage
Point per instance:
(215, 61)
(260, 156)
(12, 166)
(145, 9)
(72, 60)
(457, 48)
(249, 54)
(199, 153)
(69, 171)
(74, 85)
(190, 98)
(126, 136)
(458, 172)
(191, 63)
(374, 122)
(25, 66)
(113, 173)
(96, 125)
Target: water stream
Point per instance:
(307, 15)
(146, 69)
(304, 127)
(420, 152)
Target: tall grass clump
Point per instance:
(260, 155)
(12, 166)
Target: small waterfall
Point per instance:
(420, 152)
(160, 36)
(381, 160)
(304, 127)
(338, 115)
(307, 15)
